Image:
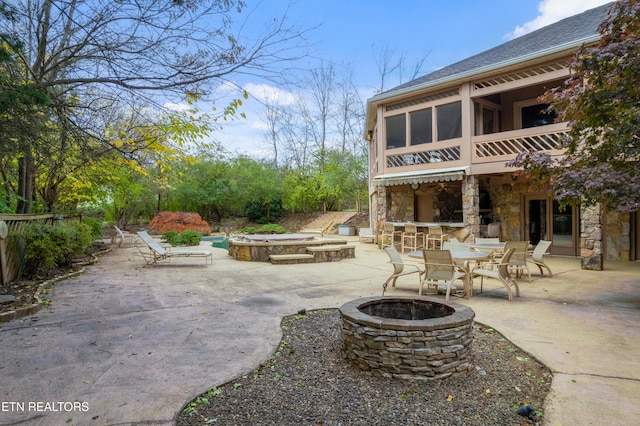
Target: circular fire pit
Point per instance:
(408, 337)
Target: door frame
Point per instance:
(574, 250)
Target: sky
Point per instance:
(353, 31)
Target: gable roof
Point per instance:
(568, 33)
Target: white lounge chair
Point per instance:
(124, 237)
(157, 253)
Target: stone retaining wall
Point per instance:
(400, 349)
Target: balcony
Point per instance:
(505, 146)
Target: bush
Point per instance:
(171, 237)
(187, 238)
(95, 225)
(270, 228)
(260, 213)
(190, 238)
(45, 248)
(179, 222)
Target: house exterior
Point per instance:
(439, 146)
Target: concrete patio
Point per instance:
(135, 344)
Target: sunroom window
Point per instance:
(421, 126)
(396, 127)
(449, 121)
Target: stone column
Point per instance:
(591, 237)
(471, 204)
(381, 209)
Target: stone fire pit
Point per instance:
(408, 337)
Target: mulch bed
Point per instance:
(307, 382)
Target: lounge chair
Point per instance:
(124, 237)
(399, 268)
(157, 253)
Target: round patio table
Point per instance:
(489, 246)
(459, 255)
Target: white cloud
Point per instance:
(175, 107)
(264, 92)
(553, 11)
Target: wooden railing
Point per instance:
(506, 145)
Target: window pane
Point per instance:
(536, 115)
(396, 131)
(421, 127)
(488, 121)
(449, 121)
(562, 226)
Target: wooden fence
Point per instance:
(10, 253)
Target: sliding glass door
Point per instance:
(545, 220)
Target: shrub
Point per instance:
(79, 238)
(171, 237)
(45, 248)
(95, 225)
(187, 238)
(261, 213)
(190, 238)
(179, 222)
(249, 230)
(270, 228)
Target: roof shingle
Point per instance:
(571, 29)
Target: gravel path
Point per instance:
(307, 382)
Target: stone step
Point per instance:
(328, 247)
(283, 259)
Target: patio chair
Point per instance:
(435, 237)
(537, 257)
(488, 250)
(124, 237)
(493, 230)
(518, 259)
(366, 234)
(411, 238)
(389, 234)
(439, 269)
(499, 272)
(399, 268)
(157, 253)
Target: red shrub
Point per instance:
(179, 222)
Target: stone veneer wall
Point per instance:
(617, 235)
(591, 237)
(471, 204)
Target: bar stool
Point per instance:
(411, 238)
(389, 234)
(436, 237)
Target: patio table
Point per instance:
(460, 255)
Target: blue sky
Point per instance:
(352, 31)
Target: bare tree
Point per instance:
(103, 54)
(390, 63)
(322, 86)
(349, 117)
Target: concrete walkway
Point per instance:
(131, 345)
